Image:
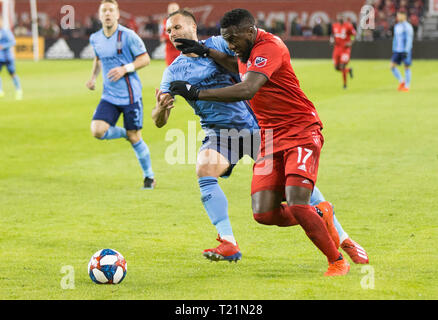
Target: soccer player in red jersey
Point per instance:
(288, 159)
(170, 51)
(342, 38)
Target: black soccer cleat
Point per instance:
(149, 183)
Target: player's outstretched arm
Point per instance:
(161, 112)
(244, 90)
(91, 84)
(192, 46)
(226, 61)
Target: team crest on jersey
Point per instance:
(260, 62)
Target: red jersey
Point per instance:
(170, 52)
(280, 104)
(342, 33)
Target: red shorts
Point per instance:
(341, 55)
(296, 166)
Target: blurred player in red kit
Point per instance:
(288, 159)
(342, 38)
(171, 52)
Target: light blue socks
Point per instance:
(397, 74)
(16, 81)
(216, 205)
(408, 77)
(144, 157)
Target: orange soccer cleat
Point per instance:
(355, 251)
(326, 209)
(226, 251)
(404, 89)
(401, 86)
(338, 268)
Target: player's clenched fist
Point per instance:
(184, 89)
(91, 84)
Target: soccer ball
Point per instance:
(107, 266)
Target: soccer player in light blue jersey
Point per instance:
(119, 53)
(231, 132)
(7, 42)
(402, 50)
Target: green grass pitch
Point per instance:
(64, 194)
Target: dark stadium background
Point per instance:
(303, 24)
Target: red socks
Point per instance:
(310, 221)
(344, 75)
(316, 230)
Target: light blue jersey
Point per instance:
(7, 41)
(403, 37)
(204, 73)
(119, 49)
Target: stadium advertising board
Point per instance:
(209, 12)
(24, 48)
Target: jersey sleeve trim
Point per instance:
(260, 72)
(141, 54)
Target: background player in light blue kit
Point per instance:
(217, 156)
(402, 50)
(119, 53)
(7, 41)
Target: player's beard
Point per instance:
(109, 27)
(245, 56)
(110, 24)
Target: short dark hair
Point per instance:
(238, 18)
(183, 12)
